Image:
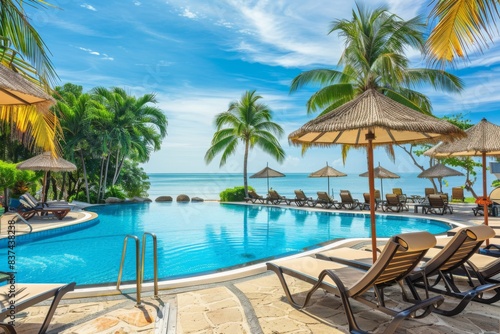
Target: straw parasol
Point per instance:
(46, 162)
(267, 173)
(15, 90)
(372, 119)
(438, 171)
(381, 173)
(328, 172)
(483, 139)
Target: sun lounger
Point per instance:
(254, 197)
(401, 254)
(452, 257)
(429, 191)
(27, 211)
(326, 201)
(438, 205)
(275, 198)
(33, 202)
(347, 202)
(457, 194)
(392, 203)
(458, 256)
(301, 199)
(27, 295)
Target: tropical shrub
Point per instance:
(115, 191)
(236, 194)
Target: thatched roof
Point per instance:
(267, 173)
(327, 171)
(47, 162)
(17, 90)
(439, 171)
(390, 121)
(381, 173)
(482, 137)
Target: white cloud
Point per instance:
(96, 53)
(189, 14)
(137, 3)
(89, 7)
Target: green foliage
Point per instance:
(82, 197)
(496, 183)
(15, 179)
(115, 191)
(134, 180)
(236, 194)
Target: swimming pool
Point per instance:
(193, 239)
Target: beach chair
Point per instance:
(326, 201)
(398, 191)
(457, 194)
(366, 204)
(36, 203)
(399, 257)
(429, 191)
(438, 205)
(392, 203)
(301, 199)
(27, 295)
(254, 197)
(275, 198)
(28, 211)
(440, 267)
(347, 202)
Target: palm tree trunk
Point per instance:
(245, 167)
(106, 176)
(118, 169)
(85, 176)
(101, 177)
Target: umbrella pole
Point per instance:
(485, 194)
(381, 189)
(328, 189)
(44, 187)
(371, 182)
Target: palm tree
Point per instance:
(461, 24)
(22, 50)
(135, 129)
(375, 42)
(250, 122)
(16, 31)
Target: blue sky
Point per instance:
(197, 56)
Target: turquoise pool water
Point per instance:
(193, 239)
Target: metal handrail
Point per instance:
(20, 218)
(137, 267)
(155, 260)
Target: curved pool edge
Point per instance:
(228, 275)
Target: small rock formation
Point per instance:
(183, 198)
(113, 200)
(164, 199)
(197, 199)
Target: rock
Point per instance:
(136, 199)
(113, 200)
(183, 198)
(164, 199)
(197, 199)
(147, 199)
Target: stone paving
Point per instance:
(253, 305)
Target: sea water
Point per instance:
(209, 185)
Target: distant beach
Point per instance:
(209, 185)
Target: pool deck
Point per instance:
(251, 304)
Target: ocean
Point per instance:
(209, 185)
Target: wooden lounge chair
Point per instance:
(366, 204)
(301, 199)
(438, 205)
(392, 203)
(464, 244)
(39, 204)
(27, 211)
(457, 194)
(398, 191)
(326, 201)
(347, 202)
(254, 197)
(27, 295)
(400, 256)
(275, 198)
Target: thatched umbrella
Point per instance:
(381, 173)
(46, 162)
(438, 171)
(267, 173)
(372, 119)
(483, 139)
(328, 172)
